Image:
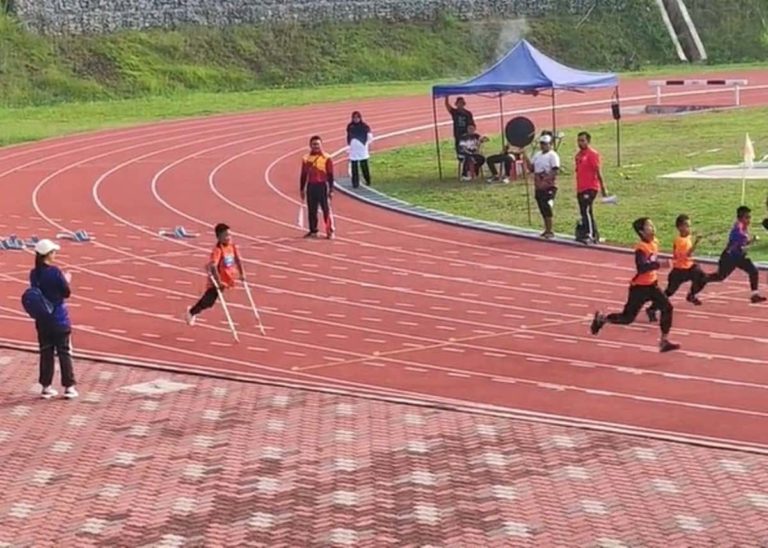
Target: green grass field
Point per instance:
(649, 149)
(30, 123)
(38, 122)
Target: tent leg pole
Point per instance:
(528, 199)
(437, 139)
(554, 115)
(501, 117)
(618, 143)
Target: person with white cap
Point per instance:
(45, 302)
(545, 166)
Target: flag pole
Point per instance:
(749, 158)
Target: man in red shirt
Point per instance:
(589, 180)
(316, 186)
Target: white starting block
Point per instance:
(12, 243)
(15, 244)
(79, 236)
(179, 233)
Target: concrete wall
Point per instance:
(102, 16)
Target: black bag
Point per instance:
(582, 233)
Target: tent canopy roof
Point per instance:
(526, 69)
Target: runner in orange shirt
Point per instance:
(225, 258)
(684, 268)
(643, 287)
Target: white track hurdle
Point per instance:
(735, 84)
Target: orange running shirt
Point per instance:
(645, 255)
(680, 250)
(223, 256)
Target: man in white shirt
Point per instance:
(545, 166)
(469, 152)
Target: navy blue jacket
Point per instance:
(51, 281)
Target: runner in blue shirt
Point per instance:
(735, 254)
(54, 333)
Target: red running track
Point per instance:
(396, 307)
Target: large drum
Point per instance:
(520, 132)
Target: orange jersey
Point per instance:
(224, 258)
(681, 250)
(647, 264)
(316, 169)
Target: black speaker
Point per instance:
(615, 110)
(520, 132)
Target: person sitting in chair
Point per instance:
(509, 155)
(469, 152)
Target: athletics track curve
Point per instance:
(396, 307)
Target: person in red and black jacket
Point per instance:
(316, 186)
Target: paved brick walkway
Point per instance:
(148, 458)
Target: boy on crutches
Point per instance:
(221, 274)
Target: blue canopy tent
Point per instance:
(524, 69)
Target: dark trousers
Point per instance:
(208, 299)
(317, 197)
(52, 343)
(586, 199)
(638, 296)
(543, 198)
(678, 276)
(505, 159)
(728, 264)
(474, 161)
(357, 165)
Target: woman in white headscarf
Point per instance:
(359, 136)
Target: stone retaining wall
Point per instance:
(103, 16)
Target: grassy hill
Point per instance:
(38, 70)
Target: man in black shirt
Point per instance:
(462, 119)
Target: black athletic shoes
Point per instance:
(597, 323)
(666, 346)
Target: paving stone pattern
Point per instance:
(149, 458)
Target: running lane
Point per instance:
(396, 306)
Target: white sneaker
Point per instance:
(70, 393)
(505, 180)
(49, 392)
(465, 179)
(190, 318)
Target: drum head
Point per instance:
(520, 132)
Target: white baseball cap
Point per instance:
(545, 139)
(44, 247)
